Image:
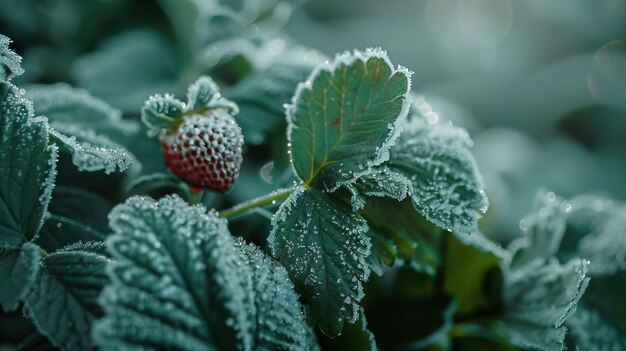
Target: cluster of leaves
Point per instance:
(374, 188)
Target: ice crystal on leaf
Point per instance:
(76, 117)
(323, 245)
(343, 118)
(63, 301)
(10, 62)
(539, 297)
(27, 168)
(178, 281)
(447, 186)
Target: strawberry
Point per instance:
(204, 150)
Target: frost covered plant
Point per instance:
(375, 216)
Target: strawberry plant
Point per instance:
(146, 227)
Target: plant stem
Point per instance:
(195, 197)
(258, 202)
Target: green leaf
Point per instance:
(539, 297)
(64, 104)
(204, 94)
(175, 280)
(59, 232)
(63, 302)
(280, 324)
(179, 283)
(76, 118)
(10, 62)
(130, 66)
(447, 187)
(27, 168)
(353, 337)
(91, 152)
(18, 270)
(70, 203)
(543, 229)
(398, 231)
(160, 112)
(324, 246)
(384, 182)
(343, 119)
(606, 248)
(261, 97)
(473, 274)
(591, 330)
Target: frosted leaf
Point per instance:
(27, 168)
(160, 112)
(278, 322)
(18, 270)
(539, 297)
(175, 280)
(590, 331)
(63, 104)
(204, 94)
(70, 203)
(356, 336)
(384, 182)
(59, 232)
(91, 152)
(606, 249)
(323, 245)
(543, 229)
(344, 118)
(447, 186)
(221, 34)
(127, 68)
(63, 302)
(80, 116)
(399, 233)
(10, 62)
(261, 97)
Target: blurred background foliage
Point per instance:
(540, 86)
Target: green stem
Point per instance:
(258, 202)
(196, 197)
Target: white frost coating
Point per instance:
(539, 298)
(347, 58)
(167, 255)
(591, 331)
(10, 62)
(61, 102)
(447, 185)
(324, 248)
(205, 94)
(606, 249)
(383, 182)
(91, 152)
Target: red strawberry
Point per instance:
(205, 150)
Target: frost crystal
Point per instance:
(10, 62)
(27, 167)
(539, 298)
(324, 246)
(344, 118)
(179, 282)
(447, 186)
(91, 152)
